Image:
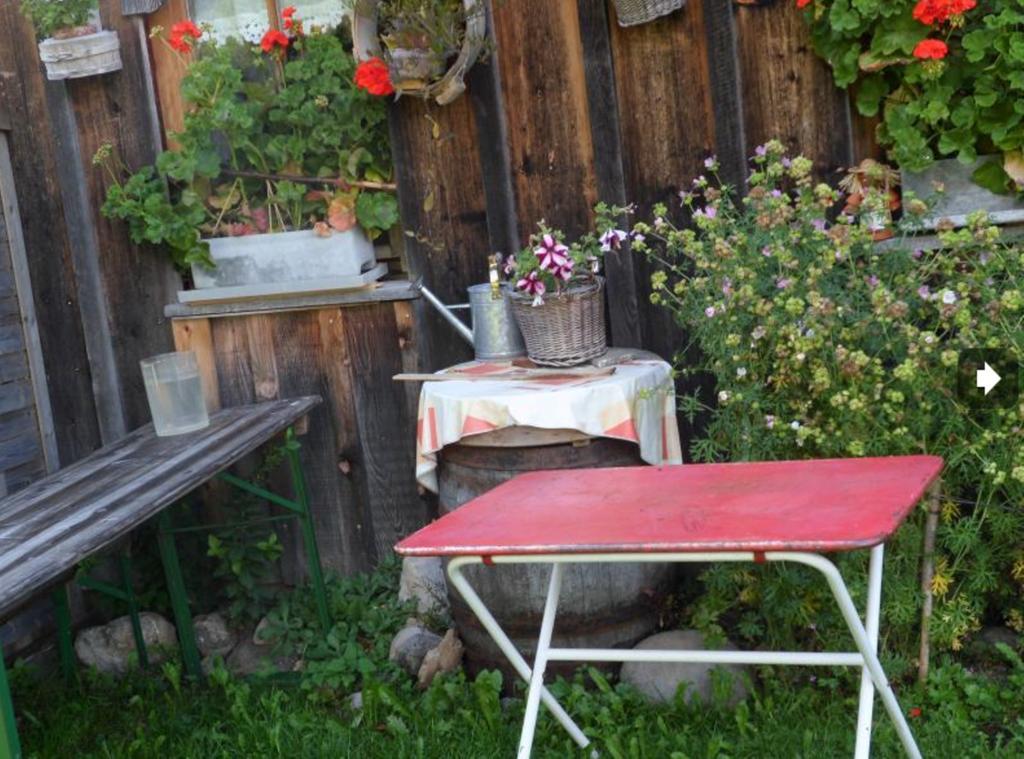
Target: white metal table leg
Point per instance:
(871, 620)
(540, 662)
(502, 640)
(860, 636)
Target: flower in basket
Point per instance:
(550, 266)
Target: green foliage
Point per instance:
(50, 16)
(963, 105)
(365, 618)
(260, 132)
(823, 345)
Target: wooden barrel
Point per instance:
(601, 606)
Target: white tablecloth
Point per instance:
(637, 403)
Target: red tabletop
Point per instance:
(822, 505)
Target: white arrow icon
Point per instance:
(988, 378)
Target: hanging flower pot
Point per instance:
(633, 12)
(73, 42)
(428, 46)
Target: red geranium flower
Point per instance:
(274, 38)
(934, 50)
(372, 75)
(914, 712)
(182, 35)
(803, 3)
(291, 23)
(288, 12)
(934, 12)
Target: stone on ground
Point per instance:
(213, 636)
(247, 658)
(658, 682)
(110, 648)
(423, 581)
(445, 657)
(410, 645)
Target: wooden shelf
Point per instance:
(382, 292)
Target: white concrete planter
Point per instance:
(76, 57)
(284, 263)
(961, 196)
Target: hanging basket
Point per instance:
(568, 329)
(81, 55)
(449, 83)
(633, 12)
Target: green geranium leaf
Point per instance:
(870, 92)
(992, 177)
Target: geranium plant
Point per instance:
(821, 344)
(60, 18)
(548, 266)
(276, 137)
(946, 76)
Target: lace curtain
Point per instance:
(248, 19)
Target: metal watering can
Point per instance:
(495, 334)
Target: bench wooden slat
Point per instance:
(48, 528)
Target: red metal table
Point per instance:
(772, 511)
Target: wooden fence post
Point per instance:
(927, 573)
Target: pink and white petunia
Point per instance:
(613, 239)
(532, 284)
(552, 254)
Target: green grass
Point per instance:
(791, 712)
(155, 715)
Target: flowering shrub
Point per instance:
(821, 344)
(549, 266)
(944, 75)
(276, 137)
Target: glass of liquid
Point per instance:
(175, 393)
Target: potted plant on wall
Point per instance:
(558, 298)
(427, 45)
(280, 177)
(72, 43)
(944, 77)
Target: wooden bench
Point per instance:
(47, 529)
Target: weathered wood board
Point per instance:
(47, 529)
(361, 441)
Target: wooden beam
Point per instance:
(26, 304)
(85, 254)
(603, 106)
(726, 101)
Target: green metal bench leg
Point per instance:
(65, 647)
(308, 532)
(179, 598)
(10, 748)
(125, 564)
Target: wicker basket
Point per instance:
(633, 12)
(568, 329)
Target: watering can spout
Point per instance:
(465, 332)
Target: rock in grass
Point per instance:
(445, 657)
(410, 645)
(110, 648)
(213, 636)
(423, 581)
(658, 682)
(247, 658)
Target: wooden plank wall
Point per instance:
(99, 299)
(580, 109)
(359, 450)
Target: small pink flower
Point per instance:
(710, 312)
(552, 254)
(783, 282)
(613, 239)
(532, 284)
(925, 292)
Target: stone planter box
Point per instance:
(962, 196)
(284, 263)
(76, 57)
